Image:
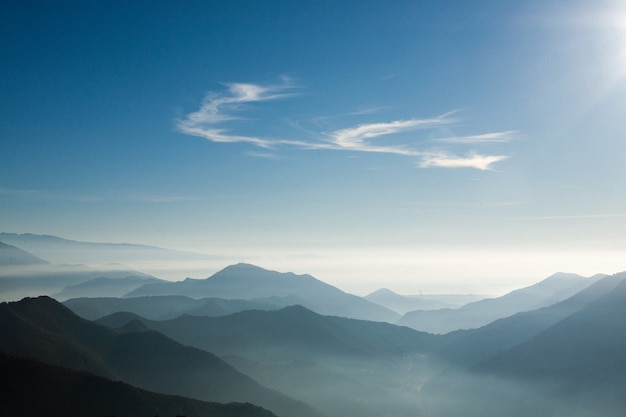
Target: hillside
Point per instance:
(34, 389)
(43, 329)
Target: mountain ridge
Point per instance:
(253, 282)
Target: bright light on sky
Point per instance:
(436, 146)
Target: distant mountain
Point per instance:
(244, 281)
(162, 307)
(45, 330)
(34, 389)
(402, 304)
(14, 256)
(583, 356)
(105, 287)
(552, 290)
(65, 251)
(21, 281)
(468, 347)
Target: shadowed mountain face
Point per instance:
(34, 389)
(43, 329)
(243, 281)
(553, 289)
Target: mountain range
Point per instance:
(294, 345)
(551, 290)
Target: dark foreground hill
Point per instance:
(34, 389)
(45, 330)
(244, 281)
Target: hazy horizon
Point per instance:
(435, 147)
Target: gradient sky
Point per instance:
(435, 146)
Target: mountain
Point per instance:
(402, 304)
(576, 366)
(162, 307)
(65, 251)
(244, 281)
(551, 290)
(340, 366)
(33, 389)
(468, 347)
(13, 256)
(45, 330)
(294, 329)
(586, 349)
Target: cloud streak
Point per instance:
(476, 161)
(218, 113)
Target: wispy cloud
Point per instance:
(215, 121)
(356, 138)
(444, 160)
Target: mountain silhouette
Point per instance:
(244, 281)
(45, 330)
(34, 389)
(551, 290)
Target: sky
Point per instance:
(422, 146)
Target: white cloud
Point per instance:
(355, 138)
(444, 160)
(220, 109)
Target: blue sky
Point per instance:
(428, 146)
